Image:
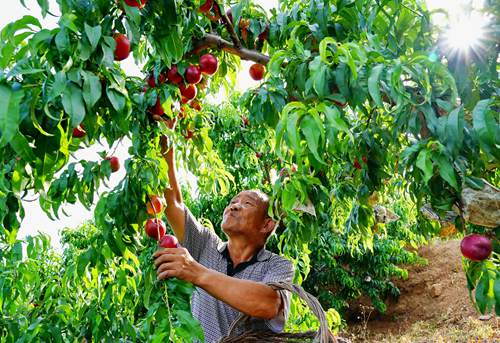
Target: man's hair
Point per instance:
(264, 198)
(266, 202)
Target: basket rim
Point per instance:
(322, 335)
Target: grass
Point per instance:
(468, 329)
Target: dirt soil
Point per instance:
(434, 305)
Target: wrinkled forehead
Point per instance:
(253, 195)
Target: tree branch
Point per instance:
(424, 130)
(228, 24)
(214, 41)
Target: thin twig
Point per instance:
(116, 146)
(369, 118)
(32, 200)
(411, 10)
(228, 24)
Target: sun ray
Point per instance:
(466, 32)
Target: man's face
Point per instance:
(245, 214)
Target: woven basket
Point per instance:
(323, 335)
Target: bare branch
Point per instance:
(214, 41)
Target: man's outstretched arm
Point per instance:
(252, 298)
(175, 205)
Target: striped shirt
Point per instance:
(209, 250)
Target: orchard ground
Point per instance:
(434, 305)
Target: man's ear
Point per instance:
(268, 226)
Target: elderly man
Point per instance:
(230, 276)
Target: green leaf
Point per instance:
(68, 20)
(288, 197)
(335, 119)
(288, 124)
(327, 56)
(481, 294)
(455, 130)
(25, 22)
(21, 146)
(62, 40)
(59, 84)
(73, 104)
(446, 170)
(191, 327)
(292, 133)
(342, 80)
(93, 34)
(279, 133)
(373, 84)
(127, 254)
(83, 261)
(10, 40)
(116, 98)
(486, 127)
(84, 49)
(312, 133)
(33, 117)
(474, 182)
(92, 89)
(275, 64)
(347, 59)
(108, 51)
(6, 52)
(44, 5)
(63, 142)
(170, 46)
(9, 113)
(496, 293)
(42, 36)
(424, 163)
(318, 77)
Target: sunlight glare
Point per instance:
(466, 32)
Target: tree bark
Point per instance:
(214, 41)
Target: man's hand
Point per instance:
(177, 262)
(250, 297)
(167, 121)
(166, 151)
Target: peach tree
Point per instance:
(361, 108)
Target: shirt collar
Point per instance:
(262, 255)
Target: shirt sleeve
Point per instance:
(197, 238)
(281, 271)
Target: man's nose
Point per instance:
(235, 206)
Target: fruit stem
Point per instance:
(119, 19)
(114, 150)
(165, 298)
(32, 85)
